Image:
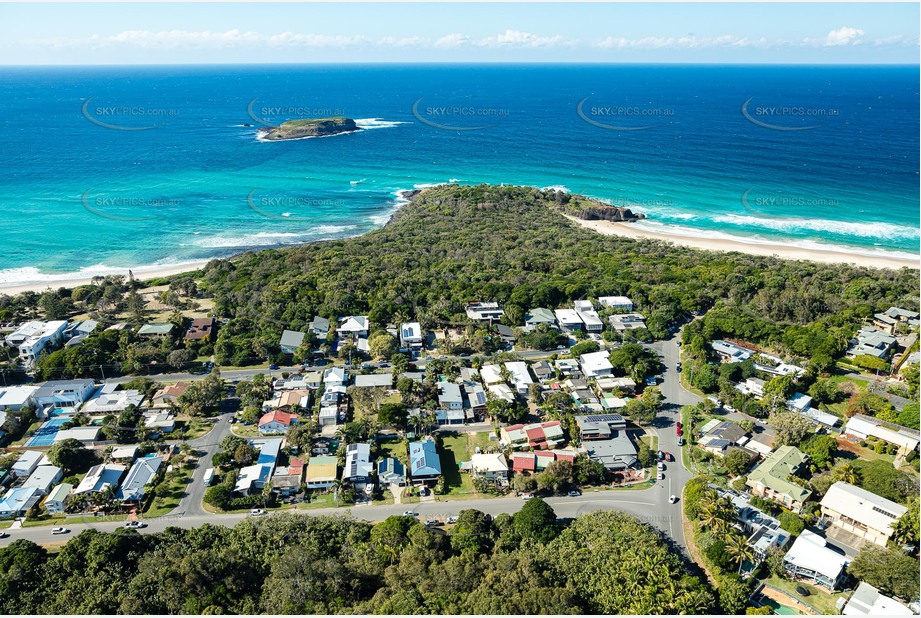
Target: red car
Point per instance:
(668, 456)
(679, 431)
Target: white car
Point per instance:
(59, 530)
(255, 512)
(451, 520)
(574, 493)
(3, 535)
(527, 496)
(673, 499)
(409, 514)
(134, 525)
(661, 476)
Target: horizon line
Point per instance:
(469, 63)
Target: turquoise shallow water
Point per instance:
(124, 167)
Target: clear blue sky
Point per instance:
(121, 33)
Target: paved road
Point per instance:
(637, 503)
(206, 446)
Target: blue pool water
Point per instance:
(44, 435)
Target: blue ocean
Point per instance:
(113, 167)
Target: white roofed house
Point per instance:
(489, 466)
(107, 400)
(484, 311)
(100, 478)
(621, 303)
(867, 601)
(411, 337)
(335, 376)
(142, 473)
(569, 320)
(353, 326)
(491, 374)
(475, 402)
(860, 426)
(63, 393)
(502, 391)
(15, 398)
(811, 560)
(521, 379)
(33, 339)
(860, 513)
(358, 465)
(871, 342)
(596, 364)
(374, 380)
(591, 320)
(43, 479)
(627, 321)
(26, 464)
(730, 352)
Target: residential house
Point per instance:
(861, 427)
(867, 601)
(892, 317)
(475, 402)
(799, 402)
(44, 478)
(568, 367)
(322, 472)
(78, 331)
(17, 502)
(450, 397)
(34, 338)
(169, 395)
(107, 400)
(626, 385)
(539, 315)
(128, 453)
(411, 336)
(87, 435)
(546, 435)
(621, 303)
(253, 477)
(626, 321)
(56, 500)
(156, 330)
(591, 321)
(63, 393)
(424, 463)
(391, 472)
(769, 480)
(596, 364)
(730, 352)
(15, 398)
(276, 422)
(521, 379)
(291, 340)
(762, 532)
(374, 380)
(489, 466)
(569, 320)
(311, 380)
(810, 559)
(201, 329)
(353, 326)
(100, 478)
(288, 400)
(287, 479)
(491, 374)
(328, 416)
(142, 473)
(871, 342)
(543, 371)
(753, 386)
(600, 426)
(722, 437)
(615, 453)
(861, 513)
(335, 376)
(506, 334)
(502, 391)
(26, 464)
(358, 465)
(319, 326)
(481, 312)
(159, 422)
(539, 460)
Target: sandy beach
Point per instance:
(755, 247)
(44, 281)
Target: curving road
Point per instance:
(650, 505)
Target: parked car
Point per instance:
(274, 367)
(3, 535)
(527, 496)
(680, 441)
(60, 530)
(661, 476)
(575, 493)
(660, 455)
(451, 520)
(410, 514)
(673, 499)
(560, 347)
(256, 512)
(432, 522)
(661, 466)
(668, 456)
(135, 524)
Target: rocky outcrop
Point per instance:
(310, 127)
(608, 213)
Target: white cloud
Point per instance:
(452, 40)
(516, 38)
(684, 42)
(843, 36)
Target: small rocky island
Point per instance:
(309, 127)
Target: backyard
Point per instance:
(457, 448)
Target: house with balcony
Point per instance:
(770, 479)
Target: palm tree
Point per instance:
(739, 549)
(847, 473)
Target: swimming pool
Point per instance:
(61, 411)
(44, 435)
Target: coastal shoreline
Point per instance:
(831, 255)
(72, 280)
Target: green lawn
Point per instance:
(25, 436)
(392, 448)
(65, 521)
(244, 431)
(481, 439)
(454, 451)
(197, 427)
(163, 504)
(818, 598)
